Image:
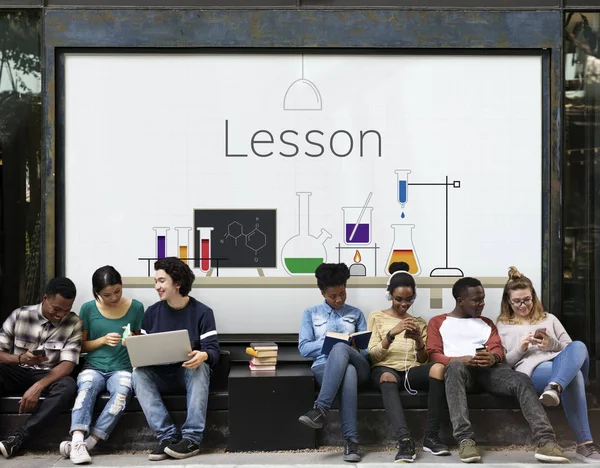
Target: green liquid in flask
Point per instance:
(302, 264)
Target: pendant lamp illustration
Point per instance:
(302, 94)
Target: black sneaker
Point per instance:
(159, 454)
(184, 449)
(11, 445)
(351, 451)
(406, 452)
(433, 444)
(314, 418)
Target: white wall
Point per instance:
(145, 146)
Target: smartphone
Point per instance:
(481, 348)
(540, 333)
(39, 352)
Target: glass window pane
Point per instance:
(581, 216)
(20, 152)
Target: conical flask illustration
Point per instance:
(403, 249)
(303, 253)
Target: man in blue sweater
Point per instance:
(177, 311)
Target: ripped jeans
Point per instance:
(90, 383)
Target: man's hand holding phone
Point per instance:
(483, 358)
(35, 357)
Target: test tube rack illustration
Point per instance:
(205, 234)
(303, 253)
(183, 243)
(161, 241)
(402, 183)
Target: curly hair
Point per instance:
(518, 281)
(331, 274)
(179, 272)
(61, 285)
(463, 284)
(402, 279)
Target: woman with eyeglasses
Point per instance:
(538, 345)
(399, 357)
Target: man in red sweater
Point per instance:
(470, 348)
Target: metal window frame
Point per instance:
(389, 30)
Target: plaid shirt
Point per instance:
(27, 328)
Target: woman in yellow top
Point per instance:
(399, 358)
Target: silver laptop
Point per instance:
(159, 348)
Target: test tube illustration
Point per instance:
(402, 176)
(205, 247)
(161, 241)
(183, 242)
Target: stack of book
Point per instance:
(264, 356)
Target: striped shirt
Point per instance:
(27, 329)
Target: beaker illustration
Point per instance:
(161, 241)
(357, 228)
(403, 249)
(183, 242)
(303, 253)
(205, 247)
(402, 177)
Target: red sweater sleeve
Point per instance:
(435, 344)
(494, 342)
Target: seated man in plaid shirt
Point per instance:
(39, 347)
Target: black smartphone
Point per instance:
(39, 352)
(481, 348)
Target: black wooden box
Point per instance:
(264, 408)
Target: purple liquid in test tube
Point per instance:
(161, 246)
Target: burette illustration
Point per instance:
(403, 249)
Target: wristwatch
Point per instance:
(389, 337)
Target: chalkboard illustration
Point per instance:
(358, 223)
(302, 94)
(402, 184)
(403, 249)
(237, 238)
(303, 253)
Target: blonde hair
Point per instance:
(518, 281)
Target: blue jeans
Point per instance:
(90, 383)
(570, 370)
(149, 382)
(342, 373)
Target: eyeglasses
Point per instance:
(518, 303)
(401, 300)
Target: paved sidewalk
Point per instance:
(313, 459)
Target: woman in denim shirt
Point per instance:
(344, 369)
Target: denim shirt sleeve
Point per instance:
(308, 344)
(361, 325)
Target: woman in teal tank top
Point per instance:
(107, 366)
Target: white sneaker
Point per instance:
(550, 396)
(79, 453)
(65, 448)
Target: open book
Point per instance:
(359, 339)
